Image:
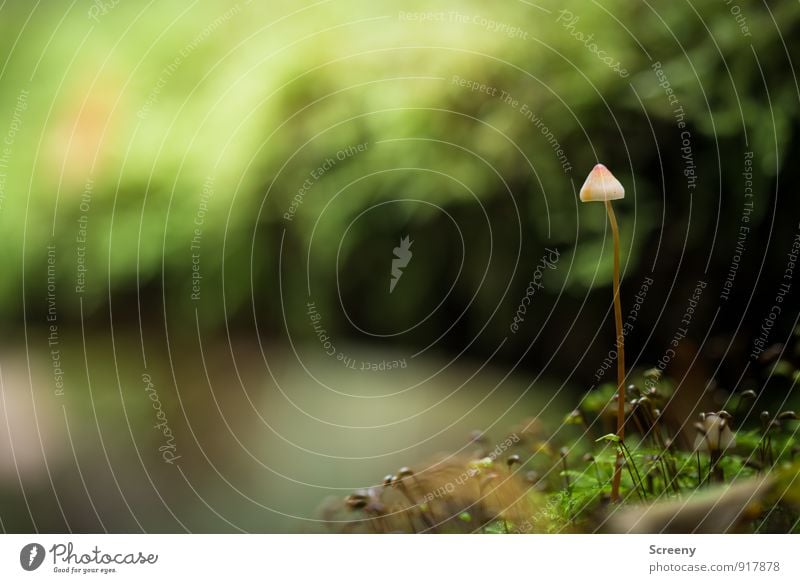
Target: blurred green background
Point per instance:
(180, 180)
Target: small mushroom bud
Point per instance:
(356, 501)
(574, 417)
(512, 459)
(714, 434)
(404, 472)
(765, 418)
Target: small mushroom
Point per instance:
(602, 186)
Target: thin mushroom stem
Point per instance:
(620, 356)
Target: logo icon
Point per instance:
(31, 556)
(402, 255)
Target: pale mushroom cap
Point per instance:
(601, 185)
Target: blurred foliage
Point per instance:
(251, 98)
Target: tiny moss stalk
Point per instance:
(636, 477)
(620, 356)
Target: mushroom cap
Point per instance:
(601, 185)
